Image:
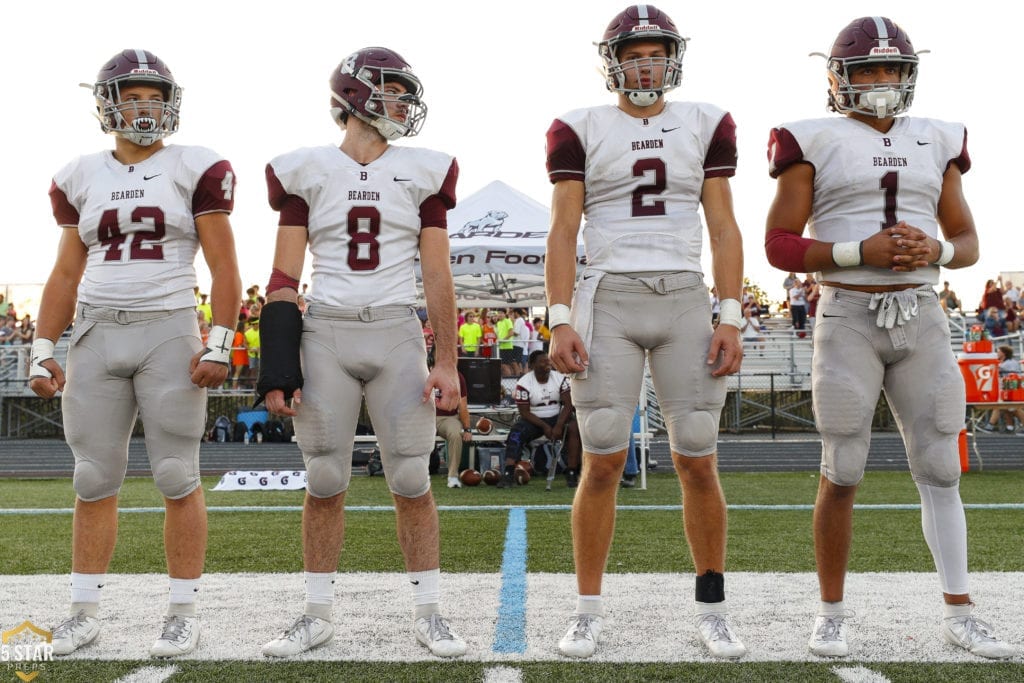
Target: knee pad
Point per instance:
(94, 481)
(604, 430)
(175, 478)
(939, 465)
(327, 475)
(181, 413)
(407, 476)
(840, 410)
(843, 458)
(695, 434)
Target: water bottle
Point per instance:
(246, 438)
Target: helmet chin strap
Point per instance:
(644, 98)
(884, 102)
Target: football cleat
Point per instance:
(179, 637)
(306, 633)
(434, 633)
(74, 632)
(977, 637)
(718, 636)
(828, 639)
(582, 637)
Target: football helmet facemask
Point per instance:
(642, 22)
(157, 119)
(357, 88)
(871, 40)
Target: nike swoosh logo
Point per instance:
(923, 143)
(826, 315)
(150, 177)
(402, 180)
(415, 583)
(669, 130)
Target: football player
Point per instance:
(132, 221)
(639, 172)
(882, 196)
(365, 210)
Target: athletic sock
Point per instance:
(319, 594)
(589, 604)
(710, 587)
(426, 592)
(85, 593)
(183, 594)
(831, 609)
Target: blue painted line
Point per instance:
(511, 508)
(510, 631)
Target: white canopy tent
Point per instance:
(498, 243)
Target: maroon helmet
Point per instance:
(871, 40)
(641, 22)
(136, 67)
(358, 87)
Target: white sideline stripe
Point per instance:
(858, 674)
(149, 674)
(647, 615)
(506, 508)
(503, 674)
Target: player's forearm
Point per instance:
(57, 306)
(439, 291)
(727, 263)
(225, 294)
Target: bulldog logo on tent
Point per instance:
(489, 224)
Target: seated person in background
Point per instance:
(453, 427)
(947, 299)
(545, 409)
(751, 330)
(1007, 365)
(993, 320)
(9, 330)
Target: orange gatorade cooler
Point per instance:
(961, 442)
(981, 376)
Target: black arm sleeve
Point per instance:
(280, 334)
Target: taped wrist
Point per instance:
(848, 254)
(42, 349)
(218, 346)
(558, 314)
(730, 313)
(280, 336)
(946, 253)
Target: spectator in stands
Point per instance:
(4, 306)
(469, 335)
(522, 340)
(948, 299)
(239, 354)
(506, 346)
(992, 298)
(545, 409)
(428, 341)
(541, 336)
(994, 322)
(798, 308)
(1011, 295)
(453, 426)
(27, 329)
(205, 308)
(716, 305)
(489, 340)
(788, 283)
(812, 291)
(1012, 319)
(1008, 365)
(252, 347)
(300, 302)
(9, 330)
(750, 332)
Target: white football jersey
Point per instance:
(866, 181)
(545, 399)
(364, 221)
(643, 180)
(138, 223)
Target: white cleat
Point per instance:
(718, 636)
(74, 632)
(434, 633)
(454, 483)
(977, 637)
(179, 637)
(582, 637)
(306, 633)
(828, 639)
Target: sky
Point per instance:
(495, 75)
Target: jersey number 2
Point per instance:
(144, 246)
(640, 170)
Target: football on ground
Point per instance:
(522, 476)
(526, 465)
(492, 477)
(469, 477)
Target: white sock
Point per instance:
(319, 594)
(183, 597)
(85, 592)
(589, 604)
(831, 609)
(702, 608)
(426, 592)
(953, 611)
(945, 532)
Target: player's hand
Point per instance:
(206, 374)
(47, 387)
(901, 248)
(277, 404)
(567, 353)
(446, 381)
(726, 351)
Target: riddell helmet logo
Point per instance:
(884, 51)
(645, 27)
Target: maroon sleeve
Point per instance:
(963, 161)
(215, 191)
(434, 209)
(720, 161)
(293, 209)
(783, 151)
(62, 209)
(566, 158)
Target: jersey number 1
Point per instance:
(889, 184)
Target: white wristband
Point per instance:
(946, 253)
(558, 314)
(218, 346)
(42, 349)
(847, 254)
(730, 313)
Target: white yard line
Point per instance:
(503, 674)
(858, 674)
(149, 674)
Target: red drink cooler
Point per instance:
(981, 376)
